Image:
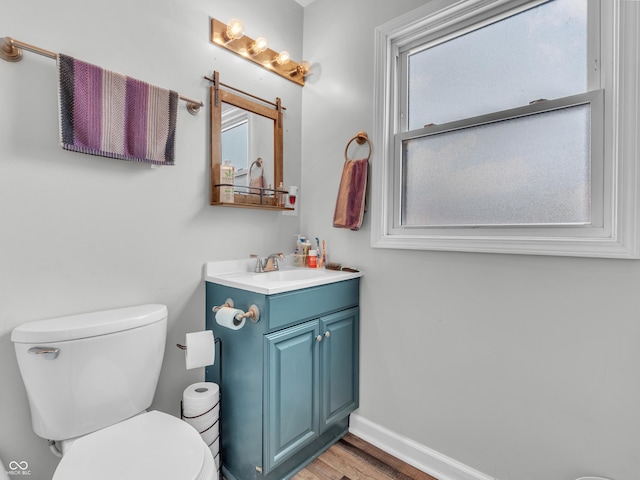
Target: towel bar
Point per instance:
(11, 51)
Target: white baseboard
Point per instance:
(413, 453)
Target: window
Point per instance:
(526, 170)
(498, 129)
(235, 139)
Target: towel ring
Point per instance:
(260, 178)
(359, 138)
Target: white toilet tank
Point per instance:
(86, 372)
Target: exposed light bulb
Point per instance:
(282, 58)
(302, 69)
(259, 46)
(235, 30)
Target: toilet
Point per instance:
(90, 379)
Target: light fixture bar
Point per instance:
(266, 59)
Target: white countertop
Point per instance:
(241, 274)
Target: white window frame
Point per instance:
(618, 233)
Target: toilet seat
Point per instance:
(152, 445)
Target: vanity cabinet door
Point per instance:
(339, 360)
(291, 410)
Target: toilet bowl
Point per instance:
(90, 379)
(152, 445)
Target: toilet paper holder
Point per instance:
(252, 314)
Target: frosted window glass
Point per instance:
(539, 53)
(532, 170)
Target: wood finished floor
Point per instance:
(351, 458)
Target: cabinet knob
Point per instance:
(319, 338)
(327, 334)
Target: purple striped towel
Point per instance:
(108, 114)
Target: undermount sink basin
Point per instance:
(241, 274)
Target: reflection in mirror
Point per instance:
(235, 139)
(249, 135)
(247, 143)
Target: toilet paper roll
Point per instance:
(201, 350)
(199, 397)
(226, 317)
(201, 410)
(207, 425)
(202, 421)
(211, 434)
(209, 431)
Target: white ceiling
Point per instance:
(304, 3)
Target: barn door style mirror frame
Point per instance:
(261, 173)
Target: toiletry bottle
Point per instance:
(280, 195)
(298, 256)
(313, 259)
(226, 178)
(306, 247)
(323, 261)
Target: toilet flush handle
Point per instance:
(48, 353)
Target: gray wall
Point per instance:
(524, 368)
(81, 233)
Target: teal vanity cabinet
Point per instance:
(289, 381)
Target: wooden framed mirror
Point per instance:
(246, 132)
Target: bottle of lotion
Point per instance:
(226, 178)
(313, 259)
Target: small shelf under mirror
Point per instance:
(254, 197)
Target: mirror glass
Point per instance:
(247, 143)
(249, 135)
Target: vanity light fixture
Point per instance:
(231, 37)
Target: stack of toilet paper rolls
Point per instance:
(201, 410)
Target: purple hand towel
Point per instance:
(351, 195)
(108, 114)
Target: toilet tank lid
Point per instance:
(85, 325)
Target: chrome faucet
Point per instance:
(269, 264)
